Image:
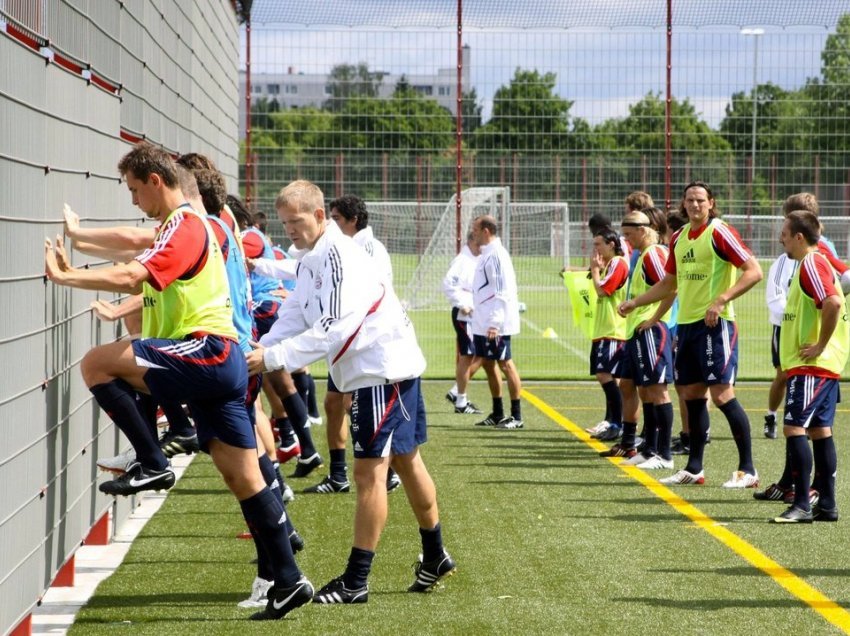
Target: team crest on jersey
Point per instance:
(317, 282)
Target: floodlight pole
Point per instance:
(756, 33)
(668, 106)
(459, 131)
(249, 168)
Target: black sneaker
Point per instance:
(393, 480)
(770, 426)
(824, 514)
(794, 515)
(336, 592)
(284, 600)
(490, 420)
(469, 409)
(451, 397)
(429, 574)
(296, 542)
(304, 467)
(172, 444)
(328, 486)
(137, 479)
(678, 447)
(774, 492)
(510, 423)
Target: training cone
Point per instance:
(549, 333)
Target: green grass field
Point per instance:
(549, 539)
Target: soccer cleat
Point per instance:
(259, 594)
(656, 462)
(490, 420)
(306, 466)
(172, 444)
(510, 423)
(678, 447)
(284, 600)
(814, 496)
(118, 464)
(285, 453)
(469, 409)
(824, 514)
(287, 494)
(770, 426)
(774, 492)
(161, 419)
(451, 397)
(335, 592)
(794, 515)
(328, 486)
(315, 420)
(684, 477)
(393, 480)
(740, 479)
(637, 459)
(429, 574)
(614, 431)
(597, 428)
(618, 450)
(296, 542)
(137, 479)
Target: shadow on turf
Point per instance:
(741, 571)
(707, 604)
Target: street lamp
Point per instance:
(756, 33)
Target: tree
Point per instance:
(470, 112)
(348, 81)
(737, 125)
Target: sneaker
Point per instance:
(328, 486)
(393, 480)
(510, 423)
(451, 397)
(656, 462)
(770, 426)
(120, 463)
(161, 419)
(306, 466)
(284, 600)
(285, 453)
(597, 428)
(740, 479)
(678, 447)
(287, 493)
(296, 542)
(172, 444)
(774, 492)
(614, 431)
(259, 594)
(637, 459)
(315, 420)
(824, 514)
(490, 420)
(814, 496)
(429, 574)
(469, 409)
(794, 515)
(618, 450)
(336, 592)
(684, 477)
(137, 479)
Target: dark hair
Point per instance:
(186, 181)
(351, 207)
(610, 236)
(146, 159)
(243, 217)
(196, 161)
(487, 222)
(212, 189)
(598, 222)
(657, 220)
(806, 223)
(713, 212)
(675, 220)
(801, 201)
(261, 221)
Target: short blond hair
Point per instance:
(801, 201)
(303, 195)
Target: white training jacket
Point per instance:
(283, 269)
(374, 248)
(341, 310)
(457, 284)
(776, 290)
(494, 292)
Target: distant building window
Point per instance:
(291, 89)
(445, 90)
(273, 89)
(328, 89)
(256, 88)
(424, 90)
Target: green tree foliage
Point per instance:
(348, 81)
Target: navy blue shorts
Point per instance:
(388, 419)
(774, 347)
(707, 355)
(605, 355)
(331, 386)
(463, 333)
(209, 373)
(648, 357)
(264, 316)
(499, 348)
(810, 401)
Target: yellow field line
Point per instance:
(796, 586)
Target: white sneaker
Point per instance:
(118, 464)
(287, 493)
(259, 594)
(597, 428)
(315, 421)
(684, 477)
(740, 479)
(656, 462)
(636, 460)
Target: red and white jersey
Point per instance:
(179, 250)
(725, 240)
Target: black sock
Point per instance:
(338, 468)
(664, 421)
(178, 421)
(613, 402)
(650, 428)
(270, 476)
(498, 409)
(432, 543)
(629, 431)
(302, 385)
(786, 481)
(147, 408)
(686, 438)
(516, 410)
(739, 424)
(284, 430)
(359, 566)
(801, 469)
(265, 515)
(826, 463)
(312, 406)
(698, 420)
(298, 418)
(118, 399)
(264, 563)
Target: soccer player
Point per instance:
(457, 286)
(813, 349)
(188, 352)
(495, 318)
(342, 312)
(703, 257)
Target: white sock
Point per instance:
(773, 413)
(453, 390)
(460, 402)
